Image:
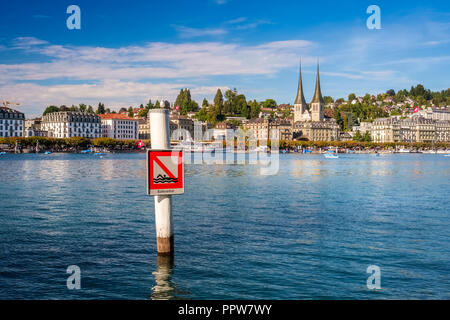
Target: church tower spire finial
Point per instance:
(317, 103)
(317, 92)
(300, 97)
(300, 105)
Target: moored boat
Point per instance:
(331, 156)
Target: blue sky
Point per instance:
(129, 51)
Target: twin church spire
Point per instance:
(300, 97)
(317, 92)
(303, 112)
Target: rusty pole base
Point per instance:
(165, 246)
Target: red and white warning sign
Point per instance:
(165, 172)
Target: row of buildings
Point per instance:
(414, 129)
(67, 124)
(310, 122)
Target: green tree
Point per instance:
(337, 116)
(351, 97)
(50, 109)
(185, 103)
(130, 112)
(150, 105)
(228, 105)
(90, 109)
(218, 102)
(255, 108)
(367, 137)
(357, 136)
(82, 107)
(390, 92)
(270, 103)
(202, 115)
(101, 108)
(327, 100)
(240, 106)
(204, 103)
(143, 113)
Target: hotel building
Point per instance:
(269, 129)
(33, 128)
(119, 126)
(67, 124)
(144, 128)
(414, 129)
(11, 123)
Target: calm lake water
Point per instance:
(309, 232)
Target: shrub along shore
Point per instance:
(76, 144)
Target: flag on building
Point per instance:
(140, 144)
(416, 109)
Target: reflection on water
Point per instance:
(310, 231)
(164, 288)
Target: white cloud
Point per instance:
(235, 21)
(133, 74)
(187, 32)
(253, 25)
(114, 93)
(27, 42)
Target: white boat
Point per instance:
(403, 150)
(194, 147)
(331, 156)
(263, 149)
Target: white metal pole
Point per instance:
(160, 139)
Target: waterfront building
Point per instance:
(433, 113)
(144, 129)
(220, 131)
(66, 124)
(119, 126)
(33, 128)
(414, 129)
(327, 130)
(11, 122)
(178, 122)
(442, 130)
(269, 128)
(310, 122)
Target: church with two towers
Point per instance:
(310, 122)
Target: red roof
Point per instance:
(117, 116)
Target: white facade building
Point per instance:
(434, 114)
(69, 124)
(11, 123)
(119, 126)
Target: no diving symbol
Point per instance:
(165, 172)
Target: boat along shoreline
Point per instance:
(108, 145)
